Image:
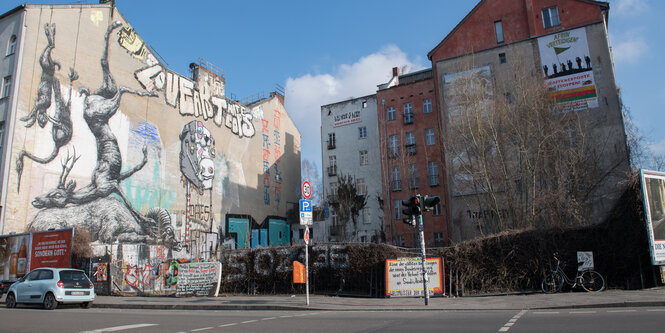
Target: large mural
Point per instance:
(147, 156)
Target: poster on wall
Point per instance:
(51, 249)
(347, 118)
(404, 277)
(568, 70)
(199, 279)
(653, 192)
(14, 259)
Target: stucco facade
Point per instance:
(100, 133)
(350, 146)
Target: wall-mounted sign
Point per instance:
(347, 118)
(653, 192)
(404, 277)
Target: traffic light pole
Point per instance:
(423, 258)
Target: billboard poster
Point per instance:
(51, 249)
(653, 192)
(404, 277)
(14, 260)
(347, 118)
(566, 63)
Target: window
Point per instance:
(11, 46)
(394, 145)
(408, 113)
(361, 186)
(550, 17)
(364, 157)
(427, 105)
(331, 141)
(413, 172)
(410, 143)
(333, 217)
(366, 216)
(498, 29)
(502, 58)
(400, 240)
(362, 132)
(397, 209)
(364, 104)
(395, 179)
(332, 165)
(392, 115)
(429, 136)
(363, 239)
(438, 238)
(433, 172)
(6, 87)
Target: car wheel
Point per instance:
(49, 302)
(86, 305)
(10, 301)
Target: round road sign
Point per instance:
(306, 189)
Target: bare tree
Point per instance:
(310, 172)
(512, 151)
(347, 204)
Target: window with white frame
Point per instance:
(410, 142)
(433, 172)
(550, 17)
(366, 216)
(394, 145)
(427, 105)
(6, 87)
(11, 46)
(438, 238)
(364, 104)
(362, 132)
(361, 186)
(331, 141)
(395, 179)
(364, 157)
(408, 113)
(333, 217)
(332, 193)
(498, 29)
(400, 240)
(332, 165)
(392, 115)
(429, 136)
(413, 176)
(397, 209)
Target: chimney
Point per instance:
(395, 71)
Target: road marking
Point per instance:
(621, 311)
(580, 312)
(249, 321)
(546, 312)
(227, 325)
(656, 310)
(120, 328)
(270, 318)
(202, 329)
(285, 316)
(506, 327)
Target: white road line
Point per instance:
(227, 325)
(202, 329)
(546, 312)
(120, 328)
(621, 311)
(580, 312)
(285, 316)
(506, 327)
(249, 321)
(270, 318)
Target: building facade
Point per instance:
(349, 145)
(564, 43)
(411, 156)
(99, 133)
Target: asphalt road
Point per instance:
(73, 319)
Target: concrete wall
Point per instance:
(359, 112)
(152, 159)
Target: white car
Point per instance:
(52, 286)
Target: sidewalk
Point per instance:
(536, 301)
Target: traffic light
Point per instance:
(412, 210)
(430, 202)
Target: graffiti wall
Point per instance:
(107, 137)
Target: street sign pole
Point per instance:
(423, 259)
(307, 263)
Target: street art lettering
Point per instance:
(141, 276)
(98, 108)
(277, 151)
(61, 131)
(266, 161)
(130, 40)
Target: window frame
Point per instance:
(394, 144)
(408, 113)
(549, 23)
(498, 32)
(427, 105)
(430, 139)
(364, 157)
(6, 87)
(392, 113)
(433, 173)
(11, 46)
(362, 132)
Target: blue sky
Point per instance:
(324, 52)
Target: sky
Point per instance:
(326, 52)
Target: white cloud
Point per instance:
(657, 148)
(306, 94)
(629, 47)
(625, 8)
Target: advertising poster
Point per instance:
(568, 70)
(653, 192)
(404, 277)
(14, 259)
(347, 118)
(51, 249)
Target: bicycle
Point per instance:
(589, 280)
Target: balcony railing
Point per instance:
(331, 145)
(332, 170)
(411, 149)
(408, 119)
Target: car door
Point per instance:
(25, 289)
(41, 285)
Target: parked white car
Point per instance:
(52, 286)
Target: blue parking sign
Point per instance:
(305, 205)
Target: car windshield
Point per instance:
(71, 276)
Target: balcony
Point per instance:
(331, 145)
(396, 185)
(332, 171)
(408, 119)
(411, 149)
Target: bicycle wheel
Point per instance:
(592, 281)
(552, 283)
